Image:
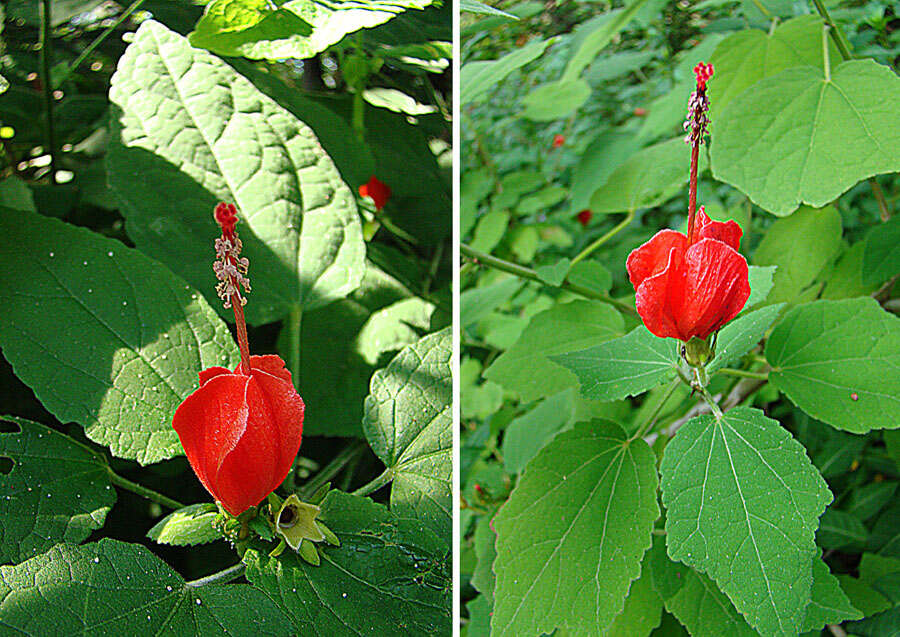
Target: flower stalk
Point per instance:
(696, 125)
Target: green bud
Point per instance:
(697, 352)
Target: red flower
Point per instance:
(584, 217)
(558, 140)
(241, 432)
(640, 112)
(703, 72)
(378, 191)
(690, 289)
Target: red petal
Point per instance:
(212, 372)
(269, 363)
(209, 424)
(716, 288)
(656, 295)
(728, 232)
(652, 258)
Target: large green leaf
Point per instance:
(568, 327)
(606, 153)
(746, 57)
(839, 361)
(643, 607)
(740, 335)
(524, 437)
(801, 137)
(571, 537)
(799, 260)
(57, 490)
(188, 131)
(624, 366)
(114, 588)
(300, 29)
(555, 100)
(743, 501)
(478, 78)
(829, 604)
(187, 526)
(388, 577)
(647, 178)
(693, 598)
(596, 41)
(409, 424)
(103, 335)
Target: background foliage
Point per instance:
(572, 156)
(122, 126)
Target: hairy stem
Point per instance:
(743, 373)
(836, 33)
(531, 275)
(222, 577)
(143, 491)
(384, 479)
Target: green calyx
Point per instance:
(297, 524)
(698, 352)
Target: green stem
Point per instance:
(143, 491)
(713, 405)
(742, 373)
(295, 318)
(879, 197)
(609, 235)
(46, 63)
(385, 478)
(652, 419)
(99, 40)
(836, 33)
(222, 577)
(332, 468)
(531, 275)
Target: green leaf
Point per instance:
(489, 230)
(869, 499)
(188, 131)
(840, 530)
(622, 367)
(554, 274)
(56, 490)
(643, 608)
(571, 537)
(479, 78)
(567, 327)
(555, 100)
(739, 336)
(693, 598)
(616, 65)
(188, 526)
(608, 151)
(646, 179)
(829, 604)
(883, 624)
(111, 588)
(799, 261)
(881, 257)
(297, 29)
(597, 40)
(761, 283)
(526, 435)
(542, 201)
(746, 57)
(142, 334)
(15, 194)
(476, 303)
(483, 540)
(743, 502)
(473, 6)
(784, 142)
(247, 28)
(845, 280)
(591, 275)
(825, 353)
(389, 575)
(409, 425)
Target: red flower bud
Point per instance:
(640, 112)
(378, 191)
(558, 140)
(686, 290)
(584, 217)
(703, 72)
(241, 432)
